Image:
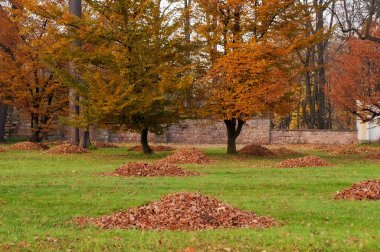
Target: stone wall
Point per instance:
(18, 126)
(257, 130)
(208, 132)
(196, 132)
(313, 137)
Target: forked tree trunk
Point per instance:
(234, 127)
(144, 142)
(3, 120)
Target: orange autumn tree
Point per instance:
(27, 81)
(251, 47)
(7, 41)
(354, 79)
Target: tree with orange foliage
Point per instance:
(27, 79)
(354, 79)
(251, 46)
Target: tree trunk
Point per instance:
(144, 142)
(36, 130)
(231, 142)
(322, 84)
(321, 70)
(36, 136)
(85, 140)
(3, 120)
(74, 110)
(75, 7)
(233, 131)
(187, 26)
(309, 119)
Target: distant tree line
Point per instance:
(142, 65)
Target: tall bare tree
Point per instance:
(358, 18)
(316, 112)
(75, 7)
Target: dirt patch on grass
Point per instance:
(186, 156)
(373, 155)
(64, 149)
(308, 161)
(28, 146)
(367, 190)
(256, 151)
(154, 148)
(104, 145)
(181, 211)
(150, 170)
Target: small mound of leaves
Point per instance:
(154, 148)
(181, 211)
(367, 190)
(151, 170)
(256, 151)
(2, 150)
(28, 146)
(337, 149)
(308, 161)
(104, 145)
(186, 156)
(346, 149)
(283, 152)
(64, 149)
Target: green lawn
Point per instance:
(40, 195)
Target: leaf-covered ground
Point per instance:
(41, 194)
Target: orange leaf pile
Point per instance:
(308, 161)
(2, 150)
(28, 146)
(181, 211)
(367, 190)
(66, 149)
(151, 170)
(256, 151)
(186, 156)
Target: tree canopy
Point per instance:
(355, 79)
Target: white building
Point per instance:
(368, 131)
